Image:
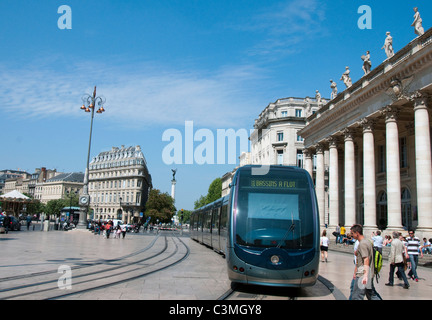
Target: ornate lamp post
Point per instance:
(89, 103)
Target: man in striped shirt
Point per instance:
(413, 247)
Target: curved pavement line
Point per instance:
(335, 291)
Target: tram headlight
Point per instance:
(275, 259)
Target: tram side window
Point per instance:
(224, 218)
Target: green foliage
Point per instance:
(214, 193)
(160, 206)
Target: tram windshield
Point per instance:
(274, 210)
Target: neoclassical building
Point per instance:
(119, 184)
(378, 140)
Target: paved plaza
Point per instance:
(201, 276)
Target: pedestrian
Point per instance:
(324, 244)
(6, 223)
(109, 228)
(377, 241)
(396, 260)
(336, 233)
(123, 230)
(413, 248)
(364, 269)
(28, 220)
(426, 247)
(342, 234)
(356, 244)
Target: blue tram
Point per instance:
(267, 227)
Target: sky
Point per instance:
(171, 66)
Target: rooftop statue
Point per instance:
(346, 77)
(388, 45)
(367, 64)
(417, 24)
(333, 86)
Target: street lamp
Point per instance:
(89, 103)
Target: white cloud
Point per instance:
(285, 26)
(144, 95)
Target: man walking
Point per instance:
(397, 250)
(364, 269)
(413, 248)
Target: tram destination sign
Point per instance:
(273, 183)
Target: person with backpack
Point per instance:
(396, 260)
(364, 269)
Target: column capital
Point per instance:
(390, 112)
(307, 152)
(367, 124)
(319, 147)
(419, 99)
(332, 141)
(348, 134)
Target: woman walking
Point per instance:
(324, 243)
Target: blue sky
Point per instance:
(162, 63)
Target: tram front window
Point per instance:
(275, 211)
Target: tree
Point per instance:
(160, 206)
(214, 193)
(53, 207)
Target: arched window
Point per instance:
(407, 217)
(382, 211)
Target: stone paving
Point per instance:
(202, 276)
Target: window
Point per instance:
(403, 152)
(299, 138)
(280, 136)
(299, 158)
(382, 159)
(280, 157)
(298, 113)
(284, 113)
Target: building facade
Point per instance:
(378, 138)
(60, 186)
(275, 139)
(119, 184)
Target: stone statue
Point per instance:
(417, 24)
(334, 92)
(367, 64)
(174, 173)
(388, 45)
(346, 77)
(318, 97)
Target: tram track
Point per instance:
(169, 255)
(250, 292)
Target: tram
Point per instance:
(267, 227)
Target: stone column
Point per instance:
(333, 183)
(350, 204)
(319, 184)
(369, 183)
(308, 163)
(423, 162)
(394, 211)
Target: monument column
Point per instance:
(423, 162)
(350, 205)
(369, 183)
(319, 184)
(394, 211)
(333, 183)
